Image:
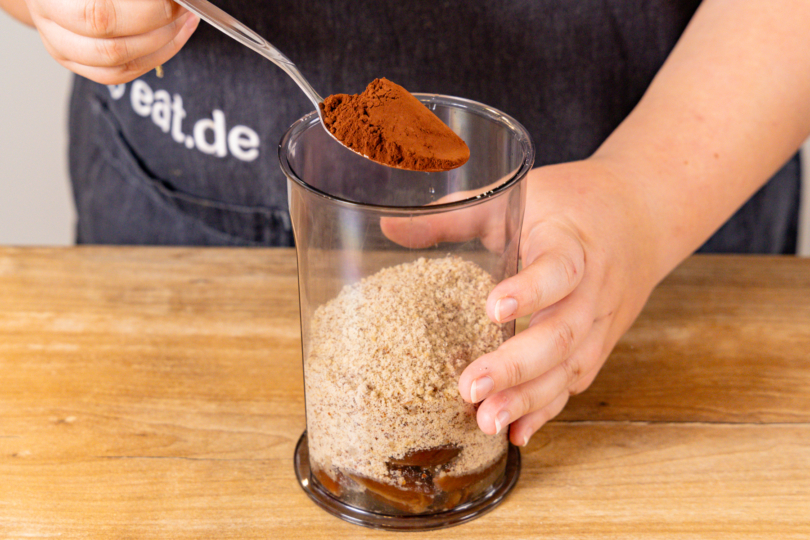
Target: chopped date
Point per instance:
(414, 478)
(333, 486)
(457, 483)
(415, 489)
(429, 457)
(414, 501)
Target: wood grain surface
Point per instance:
(157, 393)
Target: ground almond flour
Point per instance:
(383, 367)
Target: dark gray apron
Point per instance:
(190, 158)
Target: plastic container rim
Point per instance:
(474, 107)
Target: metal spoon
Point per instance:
(247, 37)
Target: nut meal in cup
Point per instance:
(394, 270)
(387, 427)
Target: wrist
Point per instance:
(658, 221)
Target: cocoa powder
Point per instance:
(390, 126)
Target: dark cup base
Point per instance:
(423, 522)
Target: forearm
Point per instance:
(17, 9)
(728, 108)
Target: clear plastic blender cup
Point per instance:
(394, 269)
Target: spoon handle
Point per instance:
(247, 37)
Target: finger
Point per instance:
(514, 403)
(479, 221)
(111, 18)
(550, 277)
(521, 431)
(109, 52)
(587, 379)
(500, 410)
(552, 336)
(418, 232)
(135, 68)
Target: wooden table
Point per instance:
(157, 393)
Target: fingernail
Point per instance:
(502, 419)
(504, 308)
(481, 388)
(525, 440)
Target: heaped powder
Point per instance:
(387, 124)
(383, 368)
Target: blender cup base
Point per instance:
(423, 522)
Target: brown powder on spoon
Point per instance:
(388, 125)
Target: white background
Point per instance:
(35, 201)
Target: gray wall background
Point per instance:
(35, 202)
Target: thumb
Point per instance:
(483, 220)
